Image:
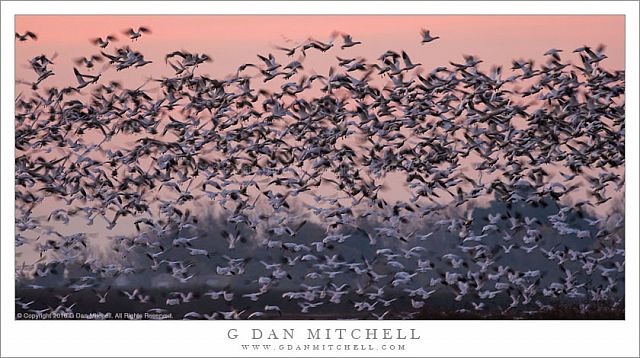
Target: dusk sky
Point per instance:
(234, 40)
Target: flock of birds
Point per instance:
(276, 149)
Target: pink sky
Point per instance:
(233, 40)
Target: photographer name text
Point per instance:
(326, 333)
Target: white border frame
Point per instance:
(439, 338)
